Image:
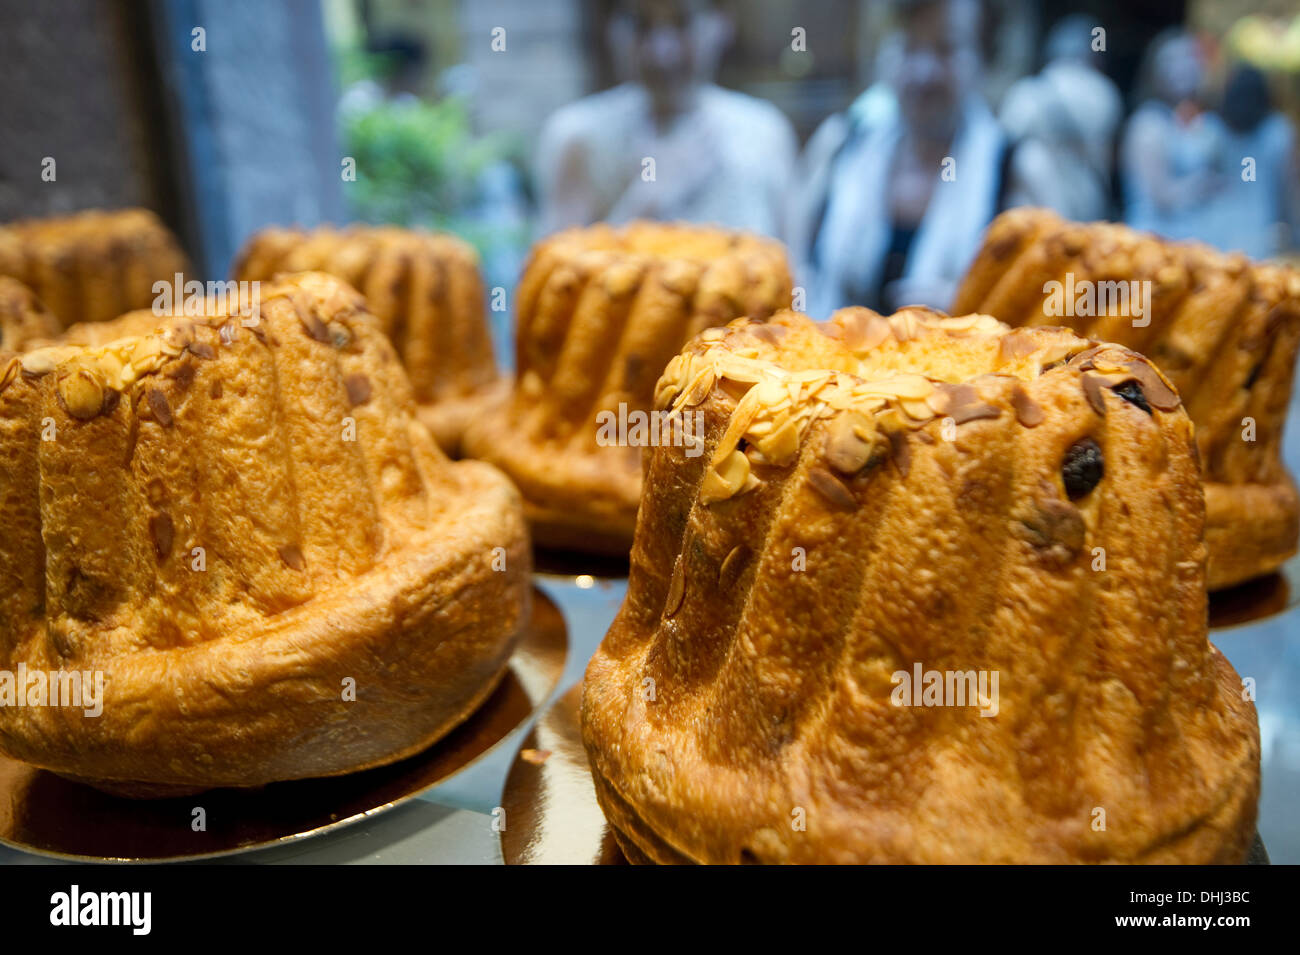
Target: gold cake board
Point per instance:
(551, 813)
(43, 813)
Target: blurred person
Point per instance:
(1063, 121)
(895, 194)
(718, 156)
(1170, 156)
(1257, 208)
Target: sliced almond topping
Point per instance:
(291, 554)
(1028, 412)
(38, 363)
(9, 373)
(832, 488)
(864, 334)
(82, 393)
(163, 531)
(176, 338)
(162, 410)
(725, 479)
(699, 389)
(311, 323)
(1157, 390)
(732, 565)
(939, 401)
(903, 325)
(782, 446)
(850, 439)
(962, 323)
(1092, 390)
(901, 386)
(676, 590)
(902, 452)
(975, 412)
(110, 363)
(358, 388)
(915, 409)
(674, 372)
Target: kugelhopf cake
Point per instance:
(1224, 330)
(23, 319)
(238, 521)
(881, 500)
(425, 289)
(94, 265)
(600, 311)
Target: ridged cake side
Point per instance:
(1226, 332)
(879, 494)
(228, 516)
(92, 266)
(23, 319)
(426, 290)
(601, 310)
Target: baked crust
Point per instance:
(600, 312)
(23, 319)
(1223, 329)
(339, 549)
(425, 289)
(94, 265)
(913, 493)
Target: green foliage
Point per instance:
(418, 163)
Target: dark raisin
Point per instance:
(1132, 392)
(1082, 469)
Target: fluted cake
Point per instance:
(885, 498)
(23, 320)
(426, 291)
(94, 265)
(1223, 329)
(238, 521)
(601, 310)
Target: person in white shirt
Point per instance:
(1063, 121)
(1170, 157)
(668, 144)
(895, 194)
(1258, 209)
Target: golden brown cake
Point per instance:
(886, 500)
(240, 523)
(94, 265)
(23, 319)
(1224, 330)
(426, 291)
(600, 312)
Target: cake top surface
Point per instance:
(85, 224)
(875, 376)
(1128, 253)
(93, 359)
(380, 236)
(664, 240)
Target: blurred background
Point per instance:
(876, 137)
